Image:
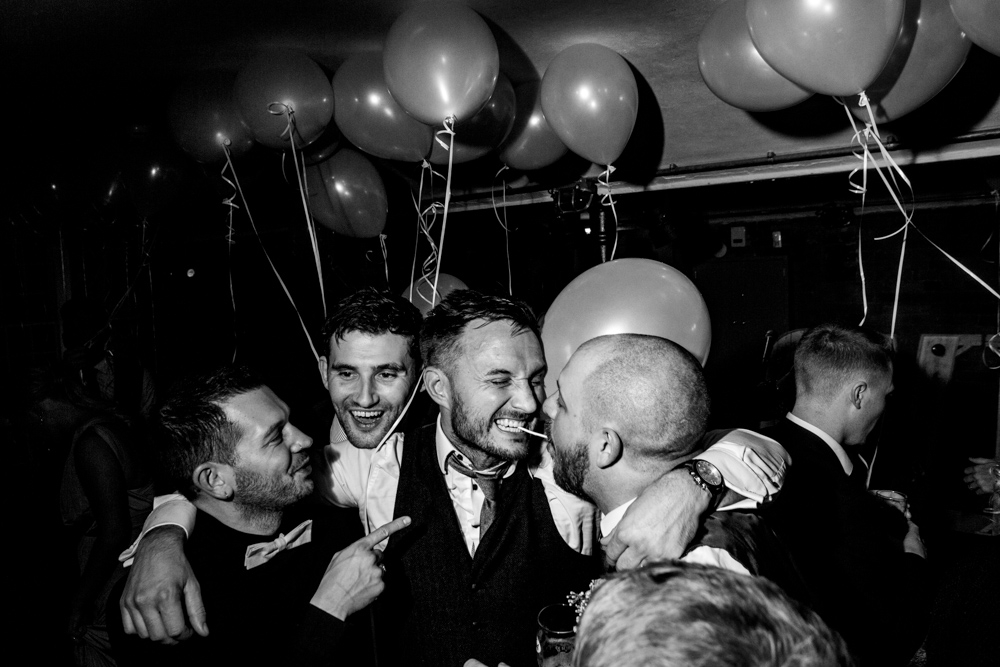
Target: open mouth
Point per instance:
(512, 426)
(366, 419)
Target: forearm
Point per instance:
(170, 510)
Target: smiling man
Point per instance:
(270, 574)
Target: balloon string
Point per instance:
(449, 129)
(503, 223)
(231, 203)
(420, 218)
(607, 200)
(277, 109)
(385, 256)
(253, 225)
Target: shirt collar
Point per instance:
(610, 520)
(444, 447)
(845, 460)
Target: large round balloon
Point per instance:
(480, 134)
(276, 81)
(929, 52)
(532, 143)
(733, 69)
(370, 118)
(440, 60)
(347, 195)
(625, 296)
(980, 19)
(591, 100)
(203, 118)
(834, 47)
(419, 292)
(323, 148)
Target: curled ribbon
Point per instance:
(503, 223)
(604, 182)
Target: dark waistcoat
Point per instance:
(441, 605)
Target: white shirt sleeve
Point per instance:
(751, 464)
(169, 510)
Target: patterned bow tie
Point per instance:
(260, 553)
(489, 482)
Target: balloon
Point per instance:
(370, 118)
(734, 71)
(591, 100)
(532, 143)
(625, 296)
(477, 136)
(929, 52)
(278, 80)
(203, 118)
(323, 148)
(833, 47)
(980, 19)
(440, 60)
(423, 288)
(347, 195)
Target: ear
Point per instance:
(858, 394)
(438, 386)
(215, 480)
(323, 368)
(609, 448)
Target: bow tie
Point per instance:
(495, 472)
(260, 553)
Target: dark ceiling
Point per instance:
(77, 69)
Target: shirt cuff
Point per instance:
(169, 510)
(752, 465)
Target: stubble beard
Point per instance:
(263, 500)
(569, 469)
(477, 434)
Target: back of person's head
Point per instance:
(652, 390)
(375, 312)
(676, 614)
(442, 330)
(191, 426)
(830, 356)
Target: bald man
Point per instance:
(630, 408)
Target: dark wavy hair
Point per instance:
(375, 312)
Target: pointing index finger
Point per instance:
(382, 533)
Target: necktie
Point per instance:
(260, 553)
(488, 480)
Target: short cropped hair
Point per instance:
(829, 356)
(443, 327)
(375, 312)
(191, 426)
(653, 389)
(675, 614)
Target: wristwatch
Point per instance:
(706, 475)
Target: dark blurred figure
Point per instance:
(104, 495)
(107, 357)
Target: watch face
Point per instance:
(708, 472)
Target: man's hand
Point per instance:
(978, 477)
(354, 577)
(912, 542)
(659, 524)
(160, 586)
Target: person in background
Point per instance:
(673, 614)
(105, 495)
(863, 560)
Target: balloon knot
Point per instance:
(279, 109)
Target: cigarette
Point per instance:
(535, 433)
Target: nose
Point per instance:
(297, 440)
(524, 398)
(366, 397)
(549, 406)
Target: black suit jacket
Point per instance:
(849, 549)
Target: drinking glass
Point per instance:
(556, 635)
